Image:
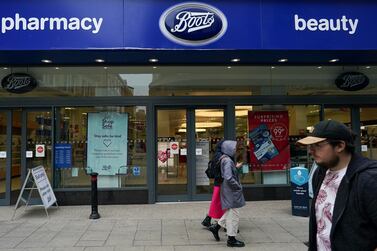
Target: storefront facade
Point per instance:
(141, 92)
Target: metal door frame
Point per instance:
(191, 145)
(8, 166)
(25, 111)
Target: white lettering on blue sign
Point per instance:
(193, 21)
(324, 24)
(50, 23)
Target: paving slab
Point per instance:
(264, 226)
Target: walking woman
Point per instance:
(231, 196)
(215, 211)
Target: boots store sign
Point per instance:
(193, 24)
(352, 81)
(18, 83)
(209, 24)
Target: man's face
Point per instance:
(324, 154)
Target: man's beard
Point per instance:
(331, 163)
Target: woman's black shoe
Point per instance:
(233, 242)
(215, 231)
(207, 221)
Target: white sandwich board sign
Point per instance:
(43, 185)
(36, 179)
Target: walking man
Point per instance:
(344, 208)
(231, 196)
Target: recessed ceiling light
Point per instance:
(235, 60)
(272, 67)
(367, 67)
(154, 67)
(229, 67)
(105, 67)
(57, 68)
(153, 60)
(99, 60)
(5, 68)
(47, 61)
(319, 67)
(282, 60)
(334, 60)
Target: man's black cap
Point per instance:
(328, 129)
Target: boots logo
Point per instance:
(193, 24)
(18, 83)
(352, 81)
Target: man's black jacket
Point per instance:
(354, 220)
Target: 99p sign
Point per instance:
(279, 132)
(268, 137)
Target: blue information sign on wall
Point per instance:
(63, 156)
(299, 190)
(136, 171)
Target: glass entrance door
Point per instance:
(172, 168)
(209, 130)
(37, 141)
(5, 155)
(186, 139)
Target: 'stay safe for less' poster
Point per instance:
(268, 134)
(107, 142)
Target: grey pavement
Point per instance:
(264, 225)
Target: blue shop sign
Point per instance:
(63, 155)
(193, 24)
(211, 24)
(55, 25)
(299, 191)
(236, 24)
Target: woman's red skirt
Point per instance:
(215, 210)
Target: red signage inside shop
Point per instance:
(268, 134)
(40, 149)
(174, 146)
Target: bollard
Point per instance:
(94, 215)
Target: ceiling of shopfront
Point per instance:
(190, 80)
(186, 57)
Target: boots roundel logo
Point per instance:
(193, 24)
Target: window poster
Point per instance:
(202, 163)
(163, 153)
(163, 156)
(268, 134)
(63, 155)
(107, 142)
(174, 147)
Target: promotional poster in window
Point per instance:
(268, 134)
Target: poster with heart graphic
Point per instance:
(107, 142)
